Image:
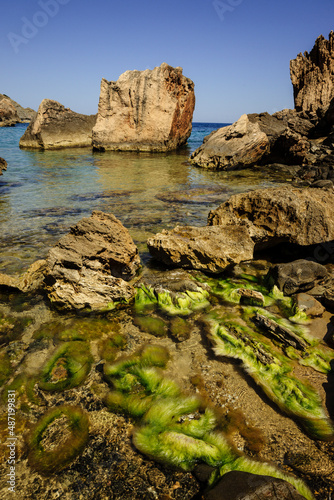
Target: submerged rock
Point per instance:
(298, 276)
(3, 165)
(237, 485)
(56, 127)
(147, 110)
(90, 267)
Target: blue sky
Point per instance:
(236, 51)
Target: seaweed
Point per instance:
(71, 432)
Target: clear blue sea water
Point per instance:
(43, 193)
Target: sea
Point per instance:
(44, 193)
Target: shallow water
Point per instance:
(43, 193)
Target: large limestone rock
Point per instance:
(312, 76)
(248, 222)
(235, 146)
(90, 267)
(56, 127)
(209, 249)
(11, 112)
(147, 110)
(278, 215)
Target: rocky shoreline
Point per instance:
(206, 374)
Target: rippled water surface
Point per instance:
(43, 193)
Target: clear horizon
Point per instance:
(237, 52)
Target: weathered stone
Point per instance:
(309, 305)
(205, 248)
(229, 148)
(90, 266)
(11, 112)
(56, 127)
(278, 215)
(3, 165)
(312, 76)
(298, 276)
(33, 279)
(147, 110)
(238, 485)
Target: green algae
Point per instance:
(172, 304)
(49, 458)
(180, 329)
(152, 325)
(5, 368)
(77, 329)
(174, 428)
(67, 368)
(11, 328)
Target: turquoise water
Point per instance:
(43, 193)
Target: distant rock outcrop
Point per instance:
(3, 165)
(12, 113)
(90, 267)
(312, 76)
(56, 127)
(147, 110)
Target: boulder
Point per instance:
(237, 485)
(297, 276)
(90, 267)
(209, 249)
(11, 112)
(235, 146)
(3, 165)
(147, 110)
(56, 127)
(312, 76)
(279, 215)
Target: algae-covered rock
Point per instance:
(57, 439)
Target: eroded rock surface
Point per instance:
(312, 76)
(56, 127)
(11, 112)
(147, 110)
(90, 267)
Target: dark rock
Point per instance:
(298, 276)
(3, 165)
(90, 266)
(322, 184)
(56, 127)
(237, 485)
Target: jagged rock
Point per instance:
(236, 485)
(11, 112)
(228, 148)
(3, 165)
(147, 110)
(56, 127)
(278, 215)
(30, 281)
(297, 276)
(312, 76)
(205, 248)
(90, 267)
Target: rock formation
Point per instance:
(90, 267)
(56, 127)
(11, 112)
(3, 165)
(209, 249)
(248, 222)
(312, 76)
(147, 110)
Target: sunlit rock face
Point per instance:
(147, 110)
